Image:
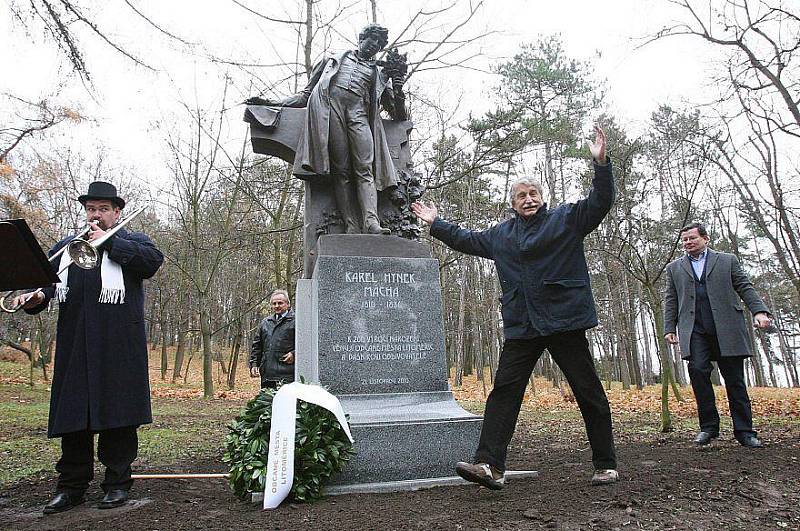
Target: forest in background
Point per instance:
(230, 222)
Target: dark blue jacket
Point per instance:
(541, 261)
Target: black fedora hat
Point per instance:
(102, 190)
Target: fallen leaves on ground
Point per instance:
(766, 401)
(184, 393)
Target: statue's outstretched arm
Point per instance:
(296, 100)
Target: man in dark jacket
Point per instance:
(546, 304)
(272, 353)
(100, 380)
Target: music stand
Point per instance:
(23, 264)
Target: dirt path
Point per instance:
(666, 484)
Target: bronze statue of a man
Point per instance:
(343, 136)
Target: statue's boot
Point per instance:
(368, 197)
(345, 204)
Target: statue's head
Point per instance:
(372, 39)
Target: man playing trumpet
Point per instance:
(100, 379)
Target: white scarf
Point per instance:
(113, 284)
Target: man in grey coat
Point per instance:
(704, 315)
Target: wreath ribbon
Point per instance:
(280, 461)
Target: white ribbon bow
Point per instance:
(280, 462)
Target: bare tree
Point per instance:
(31, 118)
(761, 39)
(63, 22)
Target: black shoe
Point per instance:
(113, 498)
(703, 438)
(750, 441)
(63, 501)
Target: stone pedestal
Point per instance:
(370, 329)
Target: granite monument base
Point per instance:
(375, 338)
(405, 437)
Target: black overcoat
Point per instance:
(100, 378)
(541, 262)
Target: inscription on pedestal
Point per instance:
(380, 325)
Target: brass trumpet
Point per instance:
(83, 253)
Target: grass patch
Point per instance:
(25, 456)
(17, 414)
(24, 447)
(14, 369)
(183, 430)
(473, 406)
(172, 444)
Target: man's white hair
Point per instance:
(526, 181)
(279, 292)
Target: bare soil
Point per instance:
(666, 483)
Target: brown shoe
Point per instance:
(482, 474)
(605, 477)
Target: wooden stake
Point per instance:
(179, 476)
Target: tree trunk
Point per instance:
(480, 353)
(791, 361)
(622, 363)
(179, 352)
(608, 360)
(460, 342)
(208, 352)
(766, 345)
(758, 368)
(192, 352)
(164, 355)
(667, 379)
(554, 372)
(648, 361)
(237, 343)
(496, 335)
(633, 345)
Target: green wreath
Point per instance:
(321, 448)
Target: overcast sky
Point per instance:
(129, 106)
